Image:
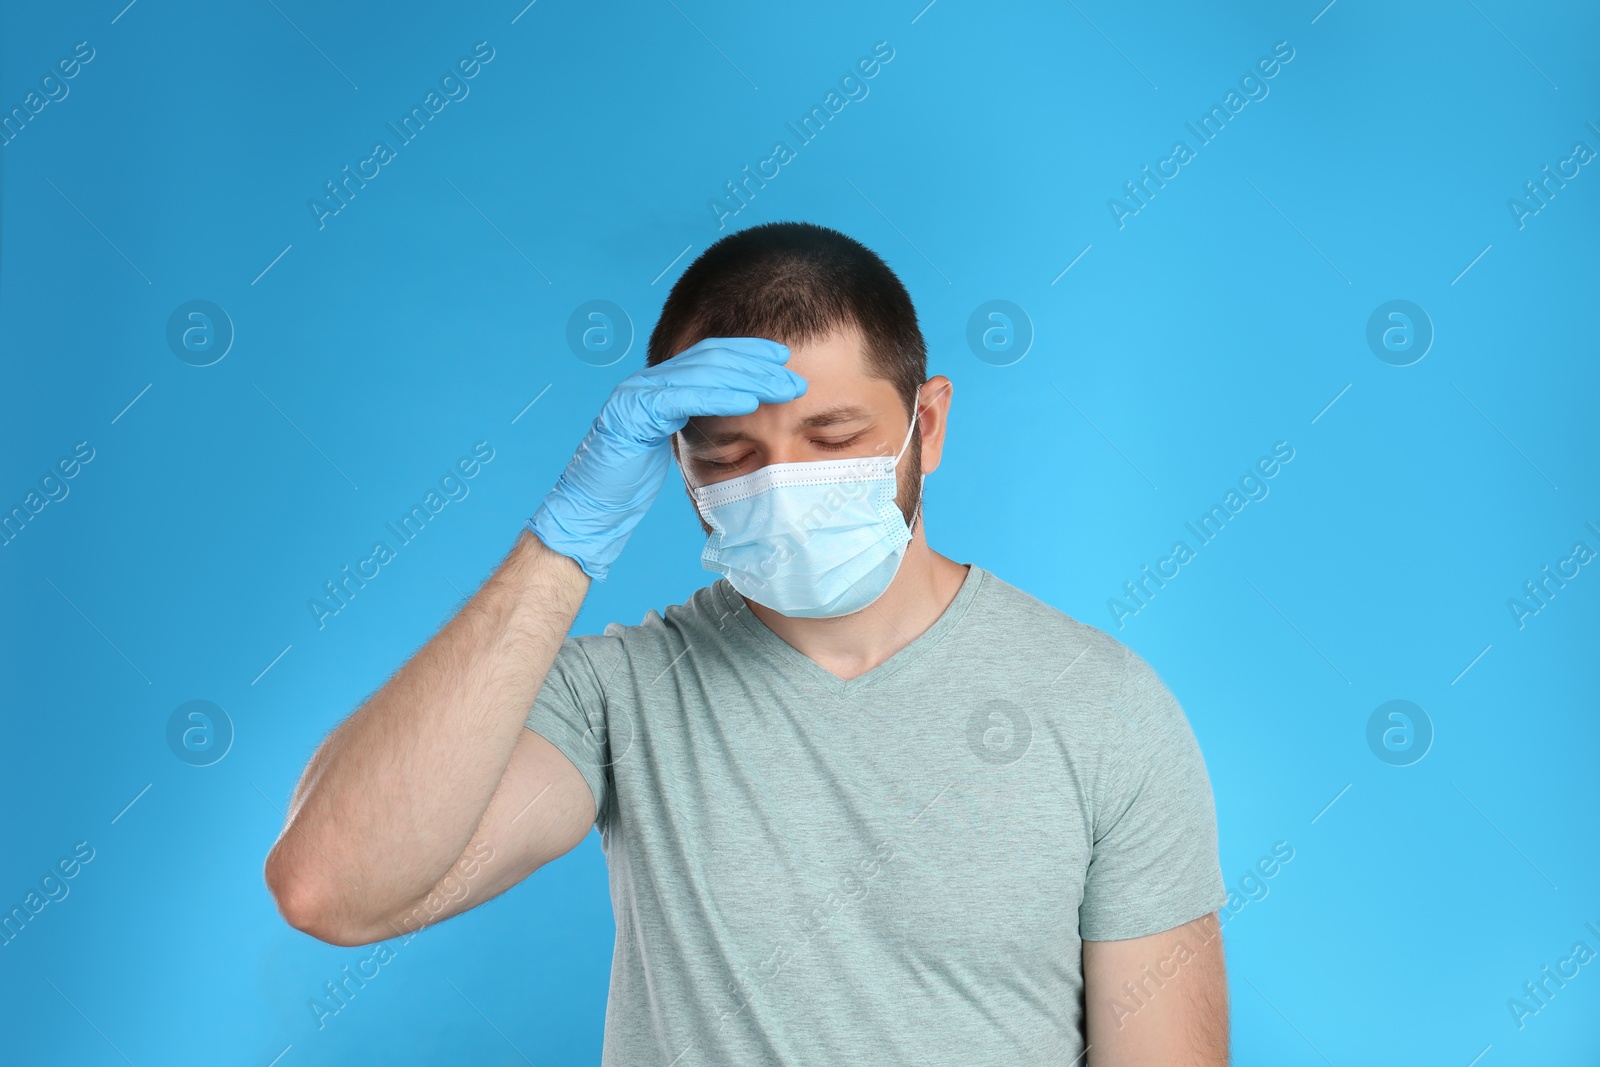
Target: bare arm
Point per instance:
(1158, 1000)
(436, 769)
(433, 795)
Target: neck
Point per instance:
(852, 645)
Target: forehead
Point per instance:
(838, 389)
(838, 358)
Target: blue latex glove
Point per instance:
(623, 461)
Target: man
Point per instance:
(859, 802)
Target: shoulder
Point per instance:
(664, 631)
(1026, 628)
(1085, 659)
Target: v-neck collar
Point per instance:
(807, 669)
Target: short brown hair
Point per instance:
(794, 282)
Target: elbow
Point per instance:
(305, 907)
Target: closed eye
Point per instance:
(716, 464)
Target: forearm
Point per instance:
(393, 796)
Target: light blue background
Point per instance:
(1223, 317)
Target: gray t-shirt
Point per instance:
(895, 869)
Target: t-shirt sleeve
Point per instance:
(1154, 862)
(570, 712)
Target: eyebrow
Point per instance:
(833, 416)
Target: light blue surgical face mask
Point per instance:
(812, 540)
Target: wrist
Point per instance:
(546, 526)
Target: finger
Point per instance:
(671, 408)
(760, 347)
(724, 367)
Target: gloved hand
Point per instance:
(623, 461)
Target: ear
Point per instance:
(933, 414)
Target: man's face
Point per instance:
(844, 413)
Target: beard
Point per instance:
(908, 480)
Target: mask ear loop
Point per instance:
(922, 486)
(916, 419)
(916, 414)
